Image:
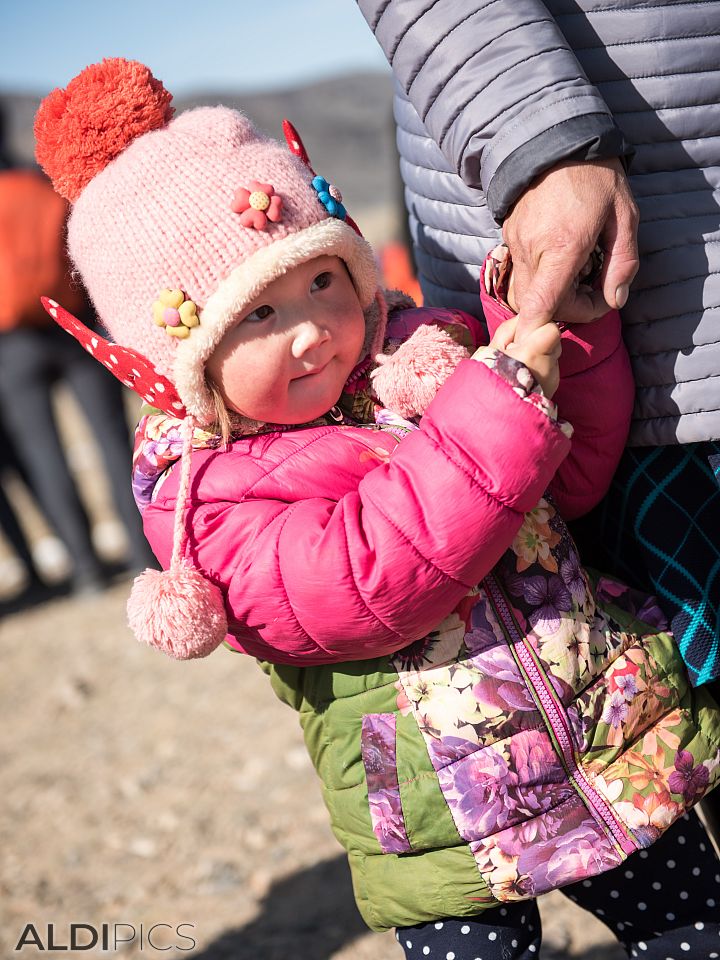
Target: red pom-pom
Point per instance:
(406, 381)
(79, 130)
(177, 611)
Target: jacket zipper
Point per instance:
(556, 716)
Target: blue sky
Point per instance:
(205, 45)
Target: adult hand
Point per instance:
(552, 230)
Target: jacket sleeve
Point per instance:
(310, 579)
(596, 396)
(497, 87)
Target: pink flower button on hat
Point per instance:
(257, 205)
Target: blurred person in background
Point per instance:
(35, 355)
(34, 588)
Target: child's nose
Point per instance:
(308, 334)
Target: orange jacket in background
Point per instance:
(33, 261)
(397, 271)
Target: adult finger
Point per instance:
(582, 305)
(540, 299)
(619, 240)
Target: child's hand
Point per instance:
(539, 350)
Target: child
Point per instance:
(359, 502)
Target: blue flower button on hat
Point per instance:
(330, 197)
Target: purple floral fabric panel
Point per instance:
(463, 685)
(553, 602)
(379, 759)
(506, 784)
(558, 847)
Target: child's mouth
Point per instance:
(313, 372)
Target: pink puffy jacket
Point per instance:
(338, 543)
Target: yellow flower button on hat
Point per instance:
(175, 313)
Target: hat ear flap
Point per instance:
(407, 380)
(130, 367)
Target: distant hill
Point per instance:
(345, 122)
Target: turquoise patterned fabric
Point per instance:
(659, 529)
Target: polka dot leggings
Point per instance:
(661, 904)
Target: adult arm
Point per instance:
(499, 89)
(496, 86)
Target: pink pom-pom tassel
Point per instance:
(177, 611)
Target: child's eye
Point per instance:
(322, 281)
(259, 314)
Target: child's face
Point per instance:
(287, 359)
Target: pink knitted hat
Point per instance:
(177, 224)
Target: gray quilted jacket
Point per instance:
(492, 92)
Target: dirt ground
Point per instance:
(141, 791)
(138, 791)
